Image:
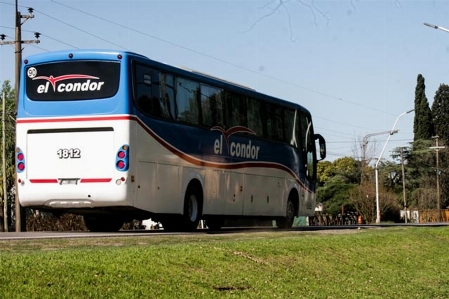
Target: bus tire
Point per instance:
(215, 223)
(287, 221)
(103, 223)
(192, 208)
(170, 224)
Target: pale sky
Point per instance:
(353, 64)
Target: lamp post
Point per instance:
(436, 27)
(365, 143)
(392, 131)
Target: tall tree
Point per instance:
(10, 138)
(440, 115)
(440, 112)
(422, 126)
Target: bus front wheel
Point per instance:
(215, 223)
(287, 221)
(192, 208)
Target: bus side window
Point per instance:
(167, 96)
(255, 117)
(274, 121)
(307, 144)
(147, 90)
(289, 125)
(235, 110)
(187, 101)
(211, 106)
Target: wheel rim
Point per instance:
(193, 208)
(290, 210)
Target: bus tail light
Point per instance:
(20, 160)
(122, 158)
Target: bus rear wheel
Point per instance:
(192, 208)
(103, 223)
(215, 223)
(287, 221)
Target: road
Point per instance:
(134, 233)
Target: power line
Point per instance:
(197, 52)
(84, 31)
(43, 35)
(219, 59)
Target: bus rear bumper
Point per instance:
(58, 196)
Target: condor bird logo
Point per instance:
(84, 85)
(240, 150)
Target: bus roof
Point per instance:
(112, 55)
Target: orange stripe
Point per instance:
(43, 181)
(105, 180)
(71, 119)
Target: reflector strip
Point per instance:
(105, 180)
(43, 181)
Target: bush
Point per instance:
(66, 222)
(50, 222)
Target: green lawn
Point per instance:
(369, 263)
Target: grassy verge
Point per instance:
(375, 263)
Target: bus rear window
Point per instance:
(72, 80)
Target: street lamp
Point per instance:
(392, 131)
(365, 143)
(436, 27)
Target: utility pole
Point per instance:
(437, 150)
(403, 184)
(5, 193)
(20, 223)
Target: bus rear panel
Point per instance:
(73, 133)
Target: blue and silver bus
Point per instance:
(115, 136)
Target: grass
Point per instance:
(376, 263)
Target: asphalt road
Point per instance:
(55, 235)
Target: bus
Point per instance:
(115, 136)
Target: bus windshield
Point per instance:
(72, 80)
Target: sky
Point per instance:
(352, 63)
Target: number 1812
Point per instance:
(72, 153)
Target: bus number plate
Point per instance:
(71, 153)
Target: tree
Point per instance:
(349, 169)
(10, 138)
(363, 199)
(440, 115)
(335, 180)
(440, 112)
(324, 172)
(421, 175)
(422, 126)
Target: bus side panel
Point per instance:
(214, 192)
(262, 196)
(233, 193)
(158, 188)
(307, 202)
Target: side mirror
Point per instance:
(322, 146)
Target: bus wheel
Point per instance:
(103, 223)
(192, 208)
(287, 221)
(170, 224)
(215, 223)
